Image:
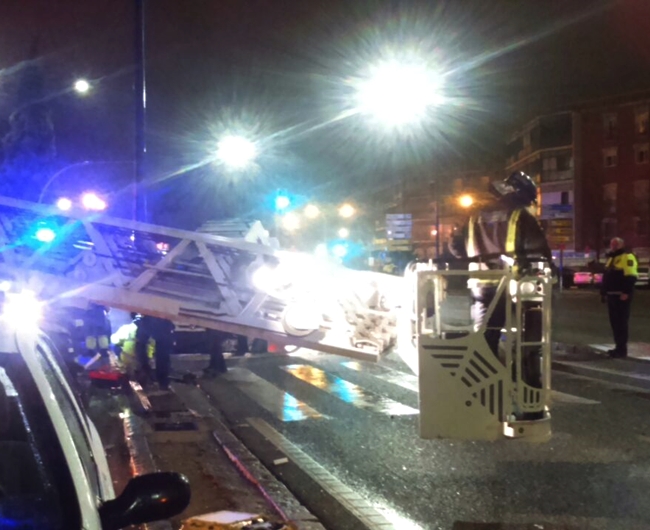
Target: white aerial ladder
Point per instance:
(242, 285)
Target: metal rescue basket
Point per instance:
(466, 392)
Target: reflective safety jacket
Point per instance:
(512, 232)
(125, 339)
(620, 273)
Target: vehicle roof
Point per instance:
(7, 339)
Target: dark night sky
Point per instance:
(275, 68)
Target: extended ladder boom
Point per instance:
(197, 278)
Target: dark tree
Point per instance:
(28, 148)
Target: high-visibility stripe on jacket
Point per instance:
(511, 237)
(507, 246)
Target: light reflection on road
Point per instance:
(347, 391)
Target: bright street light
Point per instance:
(465, 201)
(347, 210)
(311, 211)
(291, 222)
(343, 233)
(82, 86)
(399, 92)
(236, 152)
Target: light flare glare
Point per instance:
(22, 310)
(45, 235)
(398, 93)
(91, 201)
(236, 152)
(64, 204)
(82, 86)
(291, 222)
(312, 211)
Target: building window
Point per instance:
(609, 230)
(642, 153)
(610, 125)
(609, 197)
(564, 197)
(610, 157)
(549, 163)
(564, 162)
(641, 115)
(642, 206)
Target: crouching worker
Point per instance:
(124, 344)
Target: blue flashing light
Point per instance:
(282, 202)
(340, 250)
(45, 235)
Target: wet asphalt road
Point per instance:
(580, 317)
(360, 422)
(594, 473)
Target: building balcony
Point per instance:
(555, 175)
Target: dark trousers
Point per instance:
(164, 348)
(141, 354)
(619, 317)
(215, 349)
(532, 323)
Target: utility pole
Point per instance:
(140, 89)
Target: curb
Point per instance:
(260, 476)
(584, 349)
(140, 456)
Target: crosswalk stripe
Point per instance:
(347, 391)
(558, 397)
(408, 381)
(281, 404)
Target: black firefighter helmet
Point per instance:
(518, 187)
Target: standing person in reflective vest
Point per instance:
(617, 289)
(508, 227)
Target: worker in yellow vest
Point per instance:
(616, 290)
(124, 342)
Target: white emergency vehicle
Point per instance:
(53, 469)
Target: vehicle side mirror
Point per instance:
(147, 498)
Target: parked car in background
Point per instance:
(586, 277)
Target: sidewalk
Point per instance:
(638, 351)
(181, 431)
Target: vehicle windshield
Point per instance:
(36, 490)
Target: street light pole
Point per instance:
(139, 198)
(437, 192)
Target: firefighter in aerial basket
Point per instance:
(506, 228)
